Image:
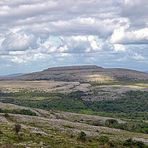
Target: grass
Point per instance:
(126, 116)
(18, 111)
(132, 105)
(57, 139)
(54, 139)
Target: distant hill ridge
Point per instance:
(82, 73)
(81, 67)
(12, 75)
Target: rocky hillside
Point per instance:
(84, 74)
(78, 106)
(20, 128)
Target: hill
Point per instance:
(76, 106)
(84, 74)
(40, 128)
(11, 75)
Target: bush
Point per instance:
(6, 115)
(82, 136)
(1, 132)
(113, 144)
(103, 139)
(139, 144)
(18, 111)
(111, 123)
(97, 123)
(17, 128)
(131, 143)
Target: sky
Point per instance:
(38, 34)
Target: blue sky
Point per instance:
(37, 34)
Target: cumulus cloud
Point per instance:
(119, 47)
(136, 12)
(23, 11)
(137, 56)
(18, 41)
(92, 31)
(135, 9)
(123, 36)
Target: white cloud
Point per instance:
(119, 47)
(22, 11)
(136, 11)
(82, 44)
(125, 36)
(17, 41)
(82, 31)
(138, 57)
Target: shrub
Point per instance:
(97, 123)
(1, 132)
(131, 143)
(17, 128)
(112, 144)
(6, 115)
(111, 122)
(82, 136)
(103, 139)
(128, 142)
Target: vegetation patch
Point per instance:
(19, 111)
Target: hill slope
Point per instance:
(84, 74)
(41, 103)
(62, 129)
